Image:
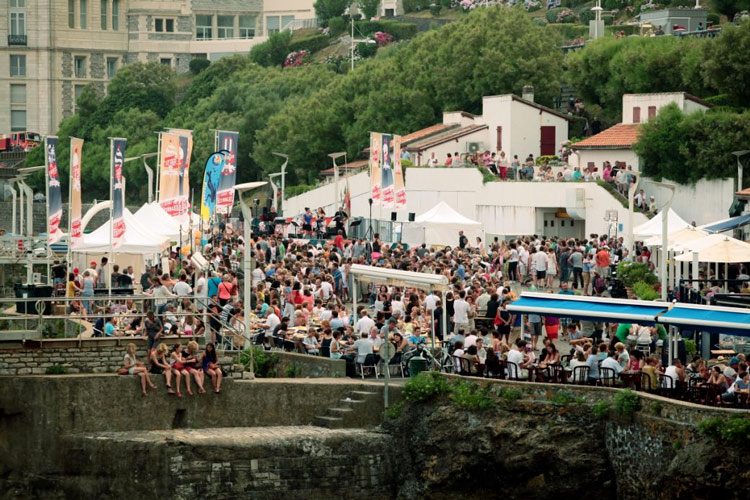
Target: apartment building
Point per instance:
(51, 49)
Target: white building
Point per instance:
(51, 49)
(515, 125)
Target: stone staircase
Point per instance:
(358, 409)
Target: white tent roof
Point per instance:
(139, 239)
(716, 248)
(677, 238)
(442, 213)
(653, 226)
(154, 217)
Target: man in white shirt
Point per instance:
(363, 346)
(326, 290)
(461, 313)
(539, 266)
(516, 356)
(271, 322)
(365, 323)
(482, 301)
(430, 302)
(611, 363)
(181, 288)
(201, 291)
(470, 340)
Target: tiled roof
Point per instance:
(621, 136)
(443, 138)
(347, 167)
(541, 108)
(431, 130)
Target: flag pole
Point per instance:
(46, 200)
(70, 210)
(159, 159)
(111, 208)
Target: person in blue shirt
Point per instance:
(461, 272)
(213, 285)
(109, 328)
(564, 290)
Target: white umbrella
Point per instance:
(677, 238)
(716, 248)
(653, 227)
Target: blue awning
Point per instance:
(725, 320)
(588, 308)
(728, 224)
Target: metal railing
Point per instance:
(17, 40)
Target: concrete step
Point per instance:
(329, 422)
(366, 394)
(339, 412)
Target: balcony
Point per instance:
(16, 40)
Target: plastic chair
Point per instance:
(513, 370)
(667, 386)
(369, 362)
(607, 377)
(580, 375)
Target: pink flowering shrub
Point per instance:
(295, 59)
(383, 38)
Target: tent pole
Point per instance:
(445, 317)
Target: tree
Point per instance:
(198, 64)
(369, 8)
(273, 51)
(89, 101)
(727, 63)
(328, 9)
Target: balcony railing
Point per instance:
(17, 40)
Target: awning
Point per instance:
(727, 225)
(725, 320)
(588, 308)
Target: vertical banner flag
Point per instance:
(54, 194)
(398, 173)
(169, 174)
(76, 229)
(211, 176)
(376, 141)
(117, 192)
(184, 155)
(387, 192)
(227, 141)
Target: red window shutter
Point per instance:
(499, 138)
(547, 143)
(636, 114)
(651, 112)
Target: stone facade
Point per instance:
(185, 24)
(67, 64)
(67, 101)
(98, 67)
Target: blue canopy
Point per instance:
(588, 308)
(728, 224)
(725, 320)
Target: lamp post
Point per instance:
(150, 174)
(664, 238)
(247, 260)
(334, 157)
(630, 243)
(283, 178)
(275, 188)
(365, 40)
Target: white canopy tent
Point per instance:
(653, 226)
(440, 226)
(153, 216)
(139, 239)
(716, 248)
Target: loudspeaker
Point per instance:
(412, 216)
(393, 216)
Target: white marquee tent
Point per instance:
(653, 226)
(440, 226)
(154, 217)
(139, 239)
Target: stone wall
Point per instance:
(303, 366)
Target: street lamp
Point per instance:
(150, 174)
(664, 238)
(275, 188)
(283, 178)
(247, 260)
(368, 41)
(334, 157)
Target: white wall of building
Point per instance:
(582, 157)
(658, 100)
(503, 207)
(706, 201)
(460, 145)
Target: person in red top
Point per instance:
(338, 241)
(225, 290)
(602, 261)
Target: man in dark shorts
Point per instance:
(154, 330)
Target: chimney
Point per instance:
(528, 93)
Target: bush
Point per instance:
(394, 411)
(644, 291)
(366, 50)
(567, 31)
(732, 430)
(510, 395)
(435, 9)
(400, 31)
(631, 273)
(416, 5)
(265, 362)
(691, 348)
(198, 64)
(565, 398)
(551, 14)
(311, 44)
(336, 26)
(273, 51)
(56, 370)
(470, 396)
(586, 16)
(425, 386)
(601, 409)
(627, 403)
(713, 18)
(608, 19)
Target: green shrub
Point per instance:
(586, 16)
(394, 411)
(416, 5)
(273, 51)
(713, 18)
(627, 403)
(551, 14)
(509, 395)
(540, 160)
(399, 31)
(425, 386)
(656, 408)
(336, 26)
(56, 370)
(567, 32)
(292, 370)
(435, 9)
(198, 64)
(601, 409)
(312, 43)
(565, 398)
(691, 349)
(644, 291)
(366, 50)
(470, 396)
(608, 19)
(487, 176)
(265, 362)
(732, 430)
(631, 273)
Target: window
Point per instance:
(18, 94)
(164, 25)
(115, 14)
(79, 66)
(225, 27)
(272, 24)
(82, 16)
(636, 114)
(111, 67)
(247, 26)
(71, 14)
(166, 61)
(17, 120)
(104, 14)
(78, 90)
(18, 24)
(285, 21)
(204, 27)
(17, 65)
(651, 112)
